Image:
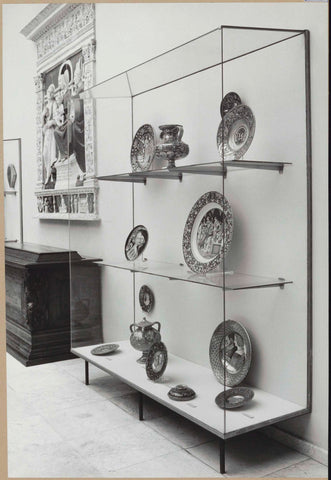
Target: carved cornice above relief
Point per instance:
(56, 26)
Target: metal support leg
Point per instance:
(222, 455)
(87, 381)
(141, 406)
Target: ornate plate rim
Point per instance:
(137, 227)
(226, 123)
(192, 262)
(136, 166)
(155, 348)
(226, 394)
(222, 330)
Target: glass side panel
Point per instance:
(270, 211)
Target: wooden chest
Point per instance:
(38, 302)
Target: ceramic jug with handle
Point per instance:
(171, 146)
(143, 336)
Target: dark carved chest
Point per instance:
(38, 302)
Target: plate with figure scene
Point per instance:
(208, 232)
(230, 353)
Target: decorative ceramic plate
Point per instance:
(208, 232)
(230, 100)
(143, 148)
(157, 360)
(105, 349)
(181, 393)
(234, 398)
(235, 132)
(11, 175)
(136, 242)
(230, 353)
(146, 299)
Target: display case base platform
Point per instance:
(38, 302)
(263, 410)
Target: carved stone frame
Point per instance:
(59, 31)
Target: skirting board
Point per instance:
(301, 446)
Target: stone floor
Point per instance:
(58, 427)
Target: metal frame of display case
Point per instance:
(221, 169)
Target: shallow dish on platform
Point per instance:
(105, 349)
(234, 398)
(143, 148)
(157, 360)
(235, 132)
(181, 393)
(208, 232)
(136, 242)
(230, 353)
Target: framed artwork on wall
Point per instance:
(64, 35)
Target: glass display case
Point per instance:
(206, 150)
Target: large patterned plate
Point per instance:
(143, 148)
(208, 232)
(230, 353)
(235, 132)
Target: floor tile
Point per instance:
(110, 387)
(306, 469)
(180, 431)
(130, 402)
(37, 433)
(13, 366)
(249, 455)
(179, 464)
(90, 421)
(16, 406)
(76, 368)
(123, 446)
(46, 396)
(50, 461)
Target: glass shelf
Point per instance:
(176, 173)
(172, 271)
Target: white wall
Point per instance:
(126, 35)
